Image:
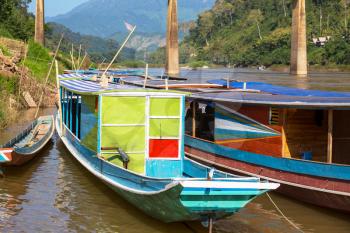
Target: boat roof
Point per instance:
(266, 99)
(84, 84)
(280, 90)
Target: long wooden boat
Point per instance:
(132, 139)
(28, 143)
(298, 138)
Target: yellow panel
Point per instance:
(128, 138)
(164, 127)
(123, 110)
(165, 107)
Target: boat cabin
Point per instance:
(265, 124)
(137, 129)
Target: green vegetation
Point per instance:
(38, 60)
(198, 64)
(15, 21)
(132, 64)
(255, 32)
(8, 84)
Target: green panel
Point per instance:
(136, 164)
(123, 110)
(128, 138)
(165, 107)
(164, 127)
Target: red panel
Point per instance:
(159, 148)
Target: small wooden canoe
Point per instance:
(28, 143)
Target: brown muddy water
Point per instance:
(54, 193)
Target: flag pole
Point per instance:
(120, 49)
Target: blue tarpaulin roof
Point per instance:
(280, 90)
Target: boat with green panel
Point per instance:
(132, 139)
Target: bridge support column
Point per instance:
(39, 22)
(172, 41)
(298, 63)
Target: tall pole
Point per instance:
(172, 40)
(298, 63)
(39, 22)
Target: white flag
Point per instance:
(129, 26)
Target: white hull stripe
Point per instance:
(229, 185)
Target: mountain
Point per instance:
(104, 18)
(98, 48)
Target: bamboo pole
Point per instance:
(117, 54)
(79, 55)
(82, 60)
(72, 58)
(59, 97)
(48, 74)
(146, 77)
(22, 71)
(330, 137)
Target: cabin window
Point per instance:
(274, 116)
(200, 120)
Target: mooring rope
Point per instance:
(282, 214)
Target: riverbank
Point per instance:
(23, 72)
(314, 68)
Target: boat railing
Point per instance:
(20, 136)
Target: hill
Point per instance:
(105, 18)
(98, 48)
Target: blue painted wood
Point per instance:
(66, 103)
(71, 111)
(3, 158)
(334, 171)
(99, 118)
(77, 117)
(164, 168)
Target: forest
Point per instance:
(256, 32)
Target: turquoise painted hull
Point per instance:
(172, 199)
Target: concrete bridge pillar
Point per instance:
(39, 22)
(298, 63)
(172, 40)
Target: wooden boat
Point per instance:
(28, 143)
(132, 139)
(298, 138)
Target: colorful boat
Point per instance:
(25, 146)
(132, 139)
(298, 138)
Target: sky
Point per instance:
(57, 7)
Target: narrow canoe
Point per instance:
(28, 143)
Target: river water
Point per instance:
(54, 193)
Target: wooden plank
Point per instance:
(285, 150)
(330, 137)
